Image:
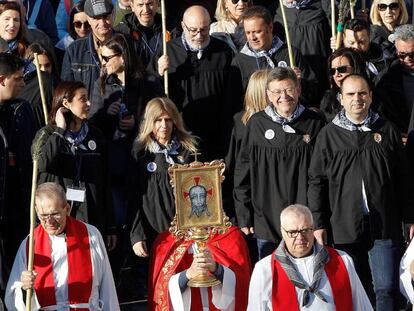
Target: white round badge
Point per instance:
(151, 167)
(282, 63)
(269, 134)
(92, 145)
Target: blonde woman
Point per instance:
(385, 16)
(162, 141)
(227, 28)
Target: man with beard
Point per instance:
(359, 186)
(198, 67)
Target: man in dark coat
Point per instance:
(272, 167)
(263, 50)
(143, 25)
(360, 187)
(17, 129)
(395, 86)
(198, 67)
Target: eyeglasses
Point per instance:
(108, 58)
(195, 31)
(45, 217)
(237, 1)
(79, 24)
(295, 233)
(290, 91)
(340, 69)
(403, 55)
(392, 6)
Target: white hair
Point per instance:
(296, 210)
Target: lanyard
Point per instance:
(152, 51)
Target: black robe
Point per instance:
(198, 87)
(243, 66)
(340, 161)
(271, 174)
(152, 196)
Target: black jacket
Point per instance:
(58, 164)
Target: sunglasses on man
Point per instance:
(392, 6)
(403, 55)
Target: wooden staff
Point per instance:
(363, 5)
(164, 43)
(340, 27)
(352, 8)
(289, 45)
(42, 93)
(30, 255)
(333, 18)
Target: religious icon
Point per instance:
(199, 210)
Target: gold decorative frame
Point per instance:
(208, 175)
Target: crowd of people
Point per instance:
(318, 187)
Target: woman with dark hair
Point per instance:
(118, 100)
(73, 154)
(78, 26)
(341, 63)
(11, 27)
(162, 140)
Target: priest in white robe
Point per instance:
(71, 266)
(303, 275)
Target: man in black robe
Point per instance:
(359, 186)
(198, 67)
(263, 50)
(272, 168)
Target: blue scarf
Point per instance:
(342, 121)
(75, 139)
(169, 150)
(270, 111)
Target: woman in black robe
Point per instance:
(162, 141)
(341, 63)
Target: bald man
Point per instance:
(198, 67)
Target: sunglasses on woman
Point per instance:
(392, 6)
(340, 69)
(109, 57)
(78, 24)
(237, 1)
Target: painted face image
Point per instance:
(9, 25)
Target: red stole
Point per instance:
(79, 265)
(169, 256)
(284, 293)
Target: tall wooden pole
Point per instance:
(333, 25)
(42, 92)
(289, 45)
(164, 43)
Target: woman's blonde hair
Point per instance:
(255, 99)
(221, 12)
(376, 18)
(154, 109)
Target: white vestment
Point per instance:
(406, 286)
(103, 294)
(223, 295)
(260, 290)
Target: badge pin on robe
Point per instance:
(270, 134)
(306, 138)
(282, 63)
(377, 137)
(92, 145)
(151, 167)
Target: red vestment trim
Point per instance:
(284, 292)
(168, 257)
(79, 265)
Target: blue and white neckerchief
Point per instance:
(270, 111)
(172, 149)
(12, 45)
(188, 47)
(76, 139)
(276, 45)
(298, 4)
(342, 121)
